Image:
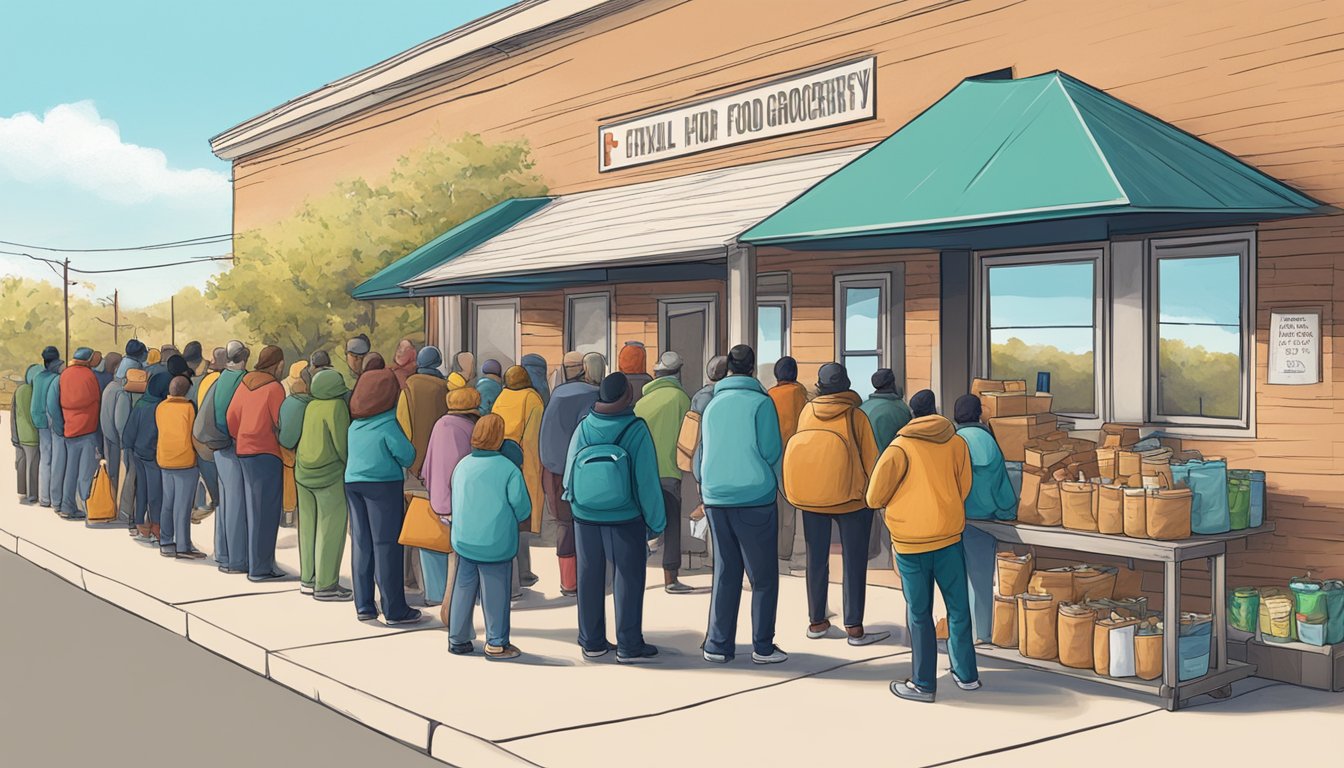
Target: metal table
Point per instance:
(1222, 670)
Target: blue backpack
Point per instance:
(603, 479)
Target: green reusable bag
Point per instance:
(1243, 608)
(1239, 499)
(1309, 599)
(1333, 591)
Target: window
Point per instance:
(1043, 315)
(772, 323)
(494, 330)
(588, 323)
(1198, 343)
(861, 323)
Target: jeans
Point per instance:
(210, 478)
(112, 452)
(560, 512)
(434, 566)
(126, 489)
(672, 533)
(179, 487)
(322, 521)
(947, 568)
(148, 492)
(44, 467)
(261, 488)
(377, 511)
(788, 526)
(29, 466)
(81, 461)
(624, 545)
(489, 581)
(744, 538)
(855, 528)
(980, 548)
(57, 469)
(231, 516)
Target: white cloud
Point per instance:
(72, 144)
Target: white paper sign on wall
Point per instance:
(1295, 346)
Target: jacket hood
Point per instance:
(328, 385)
(664, 382)
(128, 364)
(933, 428)
(739, 382)
(633, 358)
(517, 378)
(828, 407)
(257, 379)
(535, 365)
(30, 375)
(376, 392)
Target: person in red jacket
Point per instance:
(80, 399)
(253, 419)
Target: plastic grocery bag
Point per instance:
(1207, 480)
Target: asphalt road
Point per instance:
(84, 683)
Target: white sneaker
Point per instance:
(972, 686)
(716, 658)
(868, 638)
(776, 656)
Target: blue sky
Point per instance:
(106, 110)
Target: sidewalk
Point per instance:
(554, 708)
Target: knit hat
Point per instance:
(832, 378)
(168, 350)
(298, 384)
(491, 368)
(135, 349)
(192, 354)
(717, 368)
(614, 387)
(219, 360)
(516, 378)
(177, 366)
(374, 362)
(923, 403)
(884, 380)
(236, 352)
(179, 386)
(428, 357)
(488, 434)
(594, 367)
(786, 369)
(741, 359)
(633, 358)
(50, 354)
(270, 357)
(464, 400)
(320, 359)
(84, 353)
(668, 362)
(967, 409)
(112, 362)
(572, 365)
(153, 357)
(376, 392)
(358, 345)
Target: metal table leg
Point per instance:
(1218, 567)
(1171, 630)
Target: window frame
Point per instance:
(883, 282)
(608, 294)
(1098, 254)
(515, 303)
(1241, 244)
(781, 299)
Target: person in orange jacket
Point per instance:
(176, 457)
(789, 398)
(253, 421)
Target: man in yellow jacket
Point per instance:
(520, 405)
(921, 481)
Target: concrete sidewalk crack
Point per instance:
(1044, 739)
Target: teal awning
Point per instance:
(445, 247)
(1004, 156)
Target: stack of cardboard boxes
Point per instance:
(1017, 417)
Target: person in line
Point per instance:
(356, 350)
(991, 498)
(319, 474)
(104, 367)
(489, 499)
(449, 443)
(663, 406)
(120, 412)
(886, 411)
(106, 421)
(206, 459)
(633, 361)
(252, 418)
(463, 373)
(231, 517)
(612, 484)
(56, 424)
(79, 405)
(921, 481)
(404, 361)
(738, 468)
(141, 438)
(715, 370)
(290, 427)
(490, 384)
(176, 457)
(521, 407)
(378, 454)
(38, 413)
(194, 356)
(23, 434)
(789, 397)
(536, 368)
(423, 401)
(570, 402)
(154, 360)
(827, 463)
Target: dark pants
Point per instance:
(855, 528)
(744, 538)
(112, 450)
(178, 488)
(377, 511)
(28, 460)
(210, 479)
(261, 490)
(148, 492)
(947, 568)
(553, 485)
(622, 544)
(126, 494)
(672, 533)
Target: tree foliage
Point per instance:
(292, 280)
(1072, 379)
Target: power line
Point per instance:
(52, 264)
(206, 240)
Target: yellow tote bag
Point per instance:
(425, 530)
(101, 506)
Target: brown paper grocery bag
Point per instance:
(1048, 509)
(1078, 512)
(1056, 582)
(1075, 635)
(1169, 514)
(1094, 582)
(1027, 500)
(1148, 655)
(1037, 636)
(1014, 573)
(1004, 633)
(1101, 649)
(1136, 513)
(1110, 509)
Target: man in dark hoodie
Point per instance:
(570, 402)
(141, 438)
(921, 482)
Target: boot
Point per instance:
(569, 575)
(671, 585)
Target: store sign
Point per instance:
(819, 99)
(1295, 347)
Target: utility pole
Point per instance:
(65, 285)
(172, 320)
(116, 320)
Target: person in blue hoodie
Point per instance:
(51, 357)
(141, 437)
(991, 498)
(490, 384)
(738, 468)
(116, 409)
(611, 482)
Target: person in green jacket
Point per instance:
(23, 434)
(663, 406)
(991, 498)
(885, 409)
(319, 474)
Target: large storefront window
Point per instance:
(1042, 317)
(588, 324)
(861, 309)
(494, 330)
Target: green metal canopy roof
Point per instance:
(451, 244)
(995, 153)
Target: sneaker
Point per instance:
(775, 656)
(867, 638)
(677, 588)
(717, 658)
(414, 617)
(911, 692)
(526, 580)
(336, 594)
(227, 569)
(191, 554)
(974, 685)
(643, 654)
(563, 593)
(367, 616)
(168, 551)
(305, 589)
(590, 653)
(272, 576)
(197, 515)
(818, 630)
(496, 653)
(461, 649)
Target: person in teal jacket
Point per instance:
(886, 411)
(991, 498)
(51, 362)
(489, 500)
(490, 384)
(738, 468)
(378, 455)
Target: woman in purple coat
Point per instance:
(449, 442)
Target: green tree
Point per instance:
(292, 280)
(1072, 375)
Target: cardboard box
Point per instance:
(1115, 435)
(1013, 433)
(981, 386)
(994, 405)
